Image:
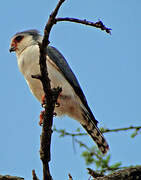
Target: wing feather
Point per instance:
(65, 69)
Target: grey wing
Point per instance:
(60, 61)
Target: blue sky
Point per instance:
(107, 67)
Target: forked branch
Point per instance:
(52, 95)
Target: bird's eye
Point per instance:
(18, 38)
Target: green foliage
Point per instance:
(116, 165)
(88, 158)
(102, 163)
(102, 129)
(135, 133)
(62, 132)
(92, 155)
(78, 130)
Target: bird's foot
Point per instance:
(43, 102)
(57, 104)
(42, 117)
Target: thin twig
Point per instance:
(70, 177)
(93, 173)
(50, 23)
(34, 175)
(63, 132)
(93, 153)
(122, 129)
(9, 177)
(98, 24)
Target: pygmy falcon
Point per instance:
(72, 101)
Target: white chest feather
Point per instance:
(28, 63)
(70, 103)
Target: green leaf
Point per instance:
(88, 158)
(116, 165)
(134, 134)
(62, 131)
(78, 130)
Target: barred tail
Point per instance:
(91, 127)
(97, 136)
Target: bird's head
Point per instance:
(21, 40)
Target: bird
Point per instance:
(72, 101)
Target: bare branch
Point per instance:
(98, 24)
(50, 96)
(50, 23)
(8, 177)
(34, 175)
(70, 177)
(94, 173)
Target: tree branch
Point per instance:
(64, 132)
(34, 175)
(98, 24)
(70, 177)
(125, 174)
(8, 177)
(50, 96)
(121, 129)
(50, 23)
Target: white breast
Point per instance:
(28, 63)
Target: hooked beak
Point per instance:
(12, 48)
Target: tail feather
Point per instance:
(97, 136)
(95, 133)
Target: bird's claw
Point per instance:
(57, 104)
(54, 114)
(43, 104)
(42, 117)
(43, 100)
